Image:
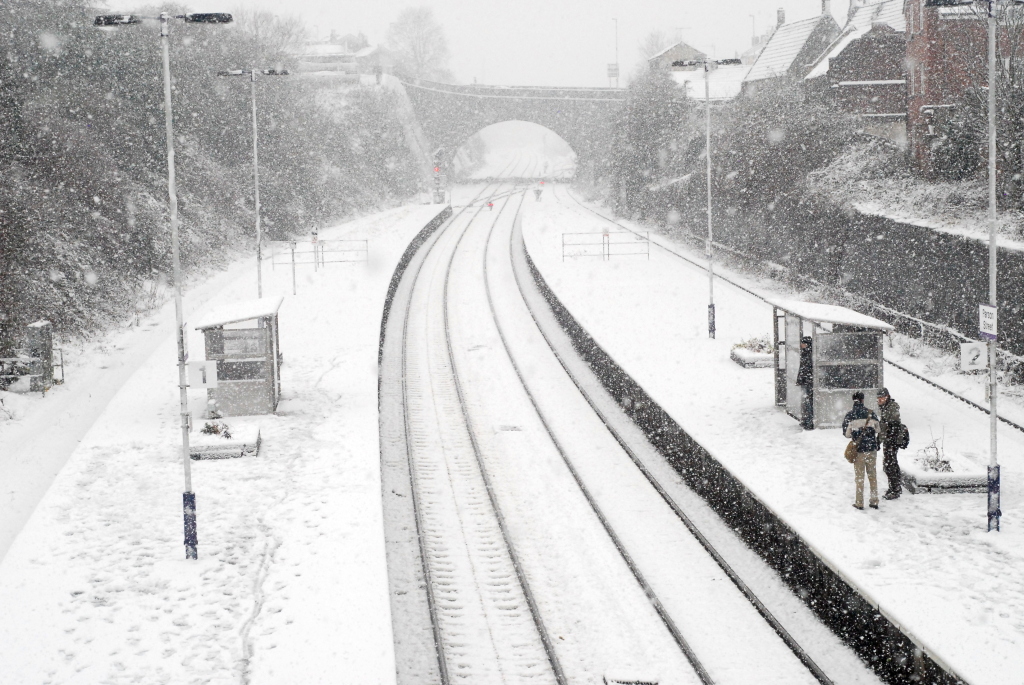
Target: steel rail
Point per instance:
(531, 601)
(413, 489)
(749, 594)
(652, 596)
(757, 295)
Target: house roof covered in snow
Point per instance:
(724, 83)
(240, 311)
(830, 313)
(782, 48)
(862, 19)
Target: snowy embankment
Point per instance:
(925, 560)
(291, 584)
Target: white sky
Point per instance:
(547, 42)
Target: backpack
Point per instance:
(903, 438)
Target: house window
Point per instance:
(922, 82)
(920, 5)
(911, 13)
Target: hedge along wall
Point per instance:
(933, 275)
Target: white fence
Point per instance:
(606, 245)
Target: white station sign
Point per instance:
(988, 321)
(202, 375)
(973, 356)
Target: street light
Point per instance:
(613, 69)
(989, 7)
(252, 73)
(709, 65)
(108, 20)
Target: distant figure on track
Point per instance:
(892, 440)
(490, 206)
(861, 426)
(805, 379)
(537, 192)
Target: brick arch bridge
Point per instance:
(450, 114)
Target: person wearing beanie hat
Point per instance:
(889, 413)
(861, 427)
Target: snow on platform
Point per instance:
(925, 560)
(291, 582)
(238, 436)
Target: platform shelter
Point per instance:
(243, 339)
(842, 353)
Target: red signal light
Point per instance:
(437, 170)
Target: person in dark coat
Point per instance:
(889, 413)
(805, 379)
(861, 426)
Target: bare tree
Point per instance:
(419, 45)
(272, 35)
(653, 43)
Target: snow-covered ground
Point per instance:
(290, 585)
(925, 559)
(490, 151)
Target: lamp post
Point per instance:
(990, 7)
(114, 20)
(613, 69)
(252, 74)
(709, 65)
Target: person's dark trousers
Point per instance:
(807, 408)
(892, 468)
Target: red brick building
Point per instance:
(863, 71)
(946, 54)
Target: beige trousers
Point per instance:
(865, 460)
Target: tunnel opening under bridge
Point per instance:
(514, 149)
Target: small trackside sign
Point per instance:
(987, 322)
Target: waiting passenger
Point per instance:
(862, 427)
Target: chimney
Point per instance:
(782, 17)
(826, 8)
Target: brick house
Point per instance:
(863, 71)
(945, 55)
(792, 49)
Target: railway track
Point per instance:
(495, 571)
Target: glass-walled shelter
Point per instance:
(823, 354)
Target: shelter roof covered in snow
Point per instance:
(240, 311)
(830, 313)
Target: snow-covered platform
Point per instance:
(291, 581)
(924, 561)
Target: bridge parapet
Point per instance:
(450, 114)
(519, 92)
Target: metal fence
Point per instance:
(317, 253)
(606, 245)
